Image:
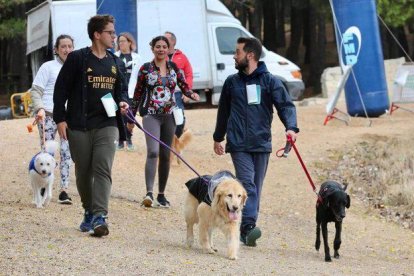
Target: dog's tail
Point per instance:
(186, 138)
(51, 147)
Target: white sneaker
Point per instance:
(148, 201)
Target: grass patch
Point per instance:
(380, 171)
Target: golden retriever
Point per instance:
(179, 144)
(224, 213)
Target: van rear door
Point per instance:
(223, 38)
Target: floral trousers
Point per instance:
(65, 159)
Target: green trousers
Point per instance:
(93, 152)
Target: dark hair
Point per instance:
(251, 45)
(158, 38)
(98, 23)
(59, 38)
(172, 36)
(130, 38)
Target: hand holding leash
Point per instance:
(40, 116)
(290, 138)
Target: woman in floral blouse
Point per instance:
(154, 98)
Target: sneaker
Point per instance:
(86, 224)
(99, 226)
(130, 147)
(120, 146)
(162, 201)
(64, 198)
(250, 237)
(148, 200)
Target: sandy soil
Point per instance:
(151, 241)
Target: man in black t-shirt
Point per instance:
(88, 77)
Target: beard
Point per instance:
(242, 64)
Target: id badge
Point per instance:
(253, 94)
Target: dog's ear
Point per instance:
(244, 198)
(217, 197)
(348, 201)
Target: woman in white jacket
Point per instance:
(126, 52)
(41, 92)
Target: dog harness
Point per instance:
(32, 165)
(203, 187)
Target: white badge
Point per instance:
(178, 116)
(253, 94)
(109, 104)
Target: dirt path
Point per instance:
(151, 241)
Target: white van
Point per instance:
(206, 32)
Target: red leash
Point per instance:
(289, 144)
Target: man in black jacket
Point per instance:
(245, 114)
(89, 77)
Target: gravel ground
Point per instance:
(151, 241)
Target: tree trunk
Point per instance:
(269, 25)
(255, 19)
(296, 31)
(280, 24)
(384, 41)
(395, 50)
(316, 48)
(241, 12)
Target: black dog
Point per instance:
(331, 207)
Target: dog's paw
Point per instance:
(317, 245)
(328, 259)
(233, 257)
(336, 255)
(209, 251)
(190, 243)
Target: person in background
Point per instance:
(90, 77)
(244, 116)
(41, 93)
(182, 62)
(126, 52)
(154, 98)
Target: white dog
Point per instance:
(41, 174)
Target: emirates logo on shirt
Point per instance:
(101, 82)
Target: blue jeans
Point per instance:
(250, 169)
(180, 103)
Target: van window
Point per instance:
(227, 39)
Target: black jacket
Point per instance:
(248, 127)
(71, 87)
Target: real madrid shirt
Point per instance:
(101, 77)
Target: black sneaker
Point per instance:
(162, 201)
(99, 226)
(64, 198)
(250, 236)
(148, 200)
